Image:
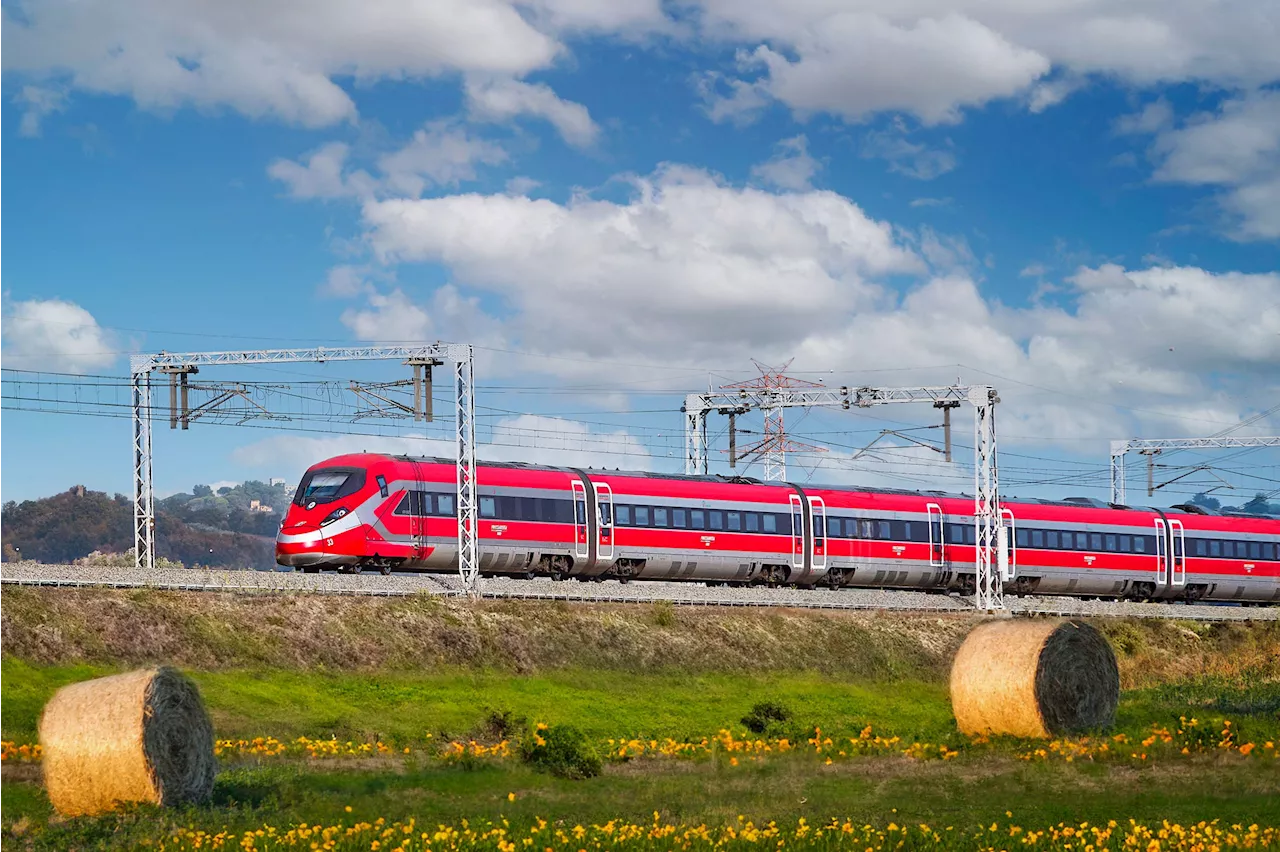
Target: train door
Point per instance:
(419, 509)
(604, 514)
(1162, 552)
(1007, 545)
(937, 540)
(1178, 553)
(581, 547)
(818, 515)
(797, 532)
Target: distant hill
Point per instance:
(224, 530)
(252, 507)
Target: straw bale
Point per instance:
(1034, 679)
(143, 736)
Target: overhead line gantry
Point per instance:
(180, 365)
(988, 514)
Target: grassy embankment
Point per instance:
(396, 671)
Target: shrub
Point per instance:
(765, 715)
(560, 750)
(502, 725)
(664, 614)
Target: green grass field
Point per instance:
(420, 708)
(977, 787)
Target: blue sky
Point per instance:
(619, 203)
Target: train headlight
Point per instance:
(333, 516)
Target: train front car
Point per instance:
(325, 526)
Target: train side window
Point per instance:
(1020, 537)
(642, 516)
(406, 504)
(1139, 544)
(1126, 543)
(1095, 541)
(444, 504)
(680, 518)
(838, 528)
(624, 515)
(1110, 545)
(1255, 550)
(606, 517)
(1037, 538)
(1215, 547)
(753, 521)
(1082, 541)
(769, 522)
(970, 534)
(957, 534)
(885, 532)
(382, 485)
(1198, 546)
(1051, 540)
(697, 519)
(734, 519)
(659, 516)
(715, 519)
(1268, 551)
(488, 507)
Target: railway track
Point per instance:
(684, 594)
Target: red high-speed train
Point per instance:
(386, 512)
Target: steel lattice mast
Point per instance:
(775, 445)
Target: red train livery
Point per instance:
(385, 512)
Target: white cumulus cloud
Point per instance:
(504, 99)
(55, 335)
(792, 167)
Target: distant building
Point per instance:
(277, 480)
(257, 506)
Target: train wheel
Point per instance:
(385, 568)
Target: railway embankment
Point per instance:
(226, 631)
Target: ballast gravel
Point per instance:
(399, 584)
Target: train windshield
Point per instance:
(328, 484)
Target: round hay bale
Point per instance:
(1034, 679)
(137, 737)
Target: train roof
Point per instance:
(1065, 502)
